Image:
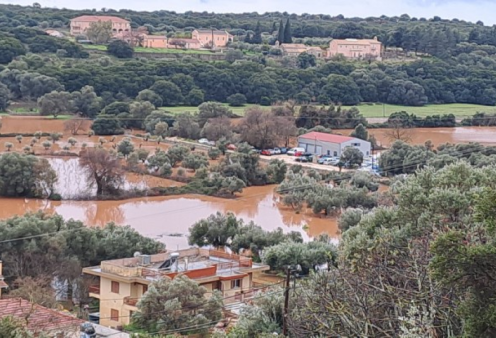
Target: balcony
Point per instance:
(94, 291)
(131, 301)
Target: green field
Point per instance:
(153, 50)
(460, 110)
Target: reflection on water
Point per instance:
(72, 181)
(159, 217)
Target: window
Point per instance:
(355, 144)
(335, 153)
(217, 285)
(114, 288)
(114, 315)
(145, 288)
(236, 283)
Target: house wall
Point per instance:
(205, 38)
(319, 147)
(356, 50)
(155, 42)
(363, 146)
(80, 27)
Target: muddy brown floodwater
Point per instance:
(161, 217)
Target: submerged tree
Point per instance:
(103, 169)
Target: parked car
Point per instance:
(330, 161)
(277, 151)
(306, 157)
(322, 158)
(284, 150)
(266, 152)
(203, 141)
(272, 152)
(296, 151)
(231, 147)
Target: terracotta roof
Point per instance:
(210, 31)
(151, 37)
(38, 318)
(3, 285)
(355, 42)
(95, 18)
(333, 138)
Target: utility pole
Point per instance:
(286, 303)
(383, 110)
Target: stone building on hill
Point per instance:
(356, 49)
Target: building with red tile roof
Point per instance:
(331, 144)
(80, 25)
(39, 319)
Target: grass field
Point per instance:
(460, 110)
(153, 50)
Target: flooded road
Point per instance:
(161, 217)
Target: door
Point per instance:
(318, 150)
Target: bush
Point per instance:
(120, 49)
(214, 153)
(236, 100)
(265, 101)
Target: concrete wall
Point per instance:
(363, 146)
(319, 147)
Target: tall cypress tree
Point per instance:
(280, 35)
(257, 37)
(287, 33)
(274, 27)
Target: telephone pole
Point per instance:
(286, 303)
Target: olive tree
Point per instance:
(195, 161)
(352, 156)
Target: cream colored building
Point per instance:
(295, 49)
(356, 49)
(81, 24)
(207, 36)
(120, 283)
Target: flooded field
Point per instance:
(161, 217)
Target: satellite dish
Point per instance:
(137, 253)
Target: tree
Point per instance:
(209, 110)
(195, 161)
(102, 169)
(107, 125)
(306, 60)
(217, 230)
(398, 132)
(155, 117)
(156, 161)
(76, 124)
(117, 108)
(37, 290)
(259, 128)
(341, 89)
(55, 103)
(352, 157)
(214, 153)
(349, 218)
(139, 111)
(276, 171)
(257, 36)
(169, 92)
(100, 32)
(120, 49)
(4, 97)
(176, 154)
(125, 147)
(178, 304)
(186, 126)
(85, 102)
(360, 132)
(15, 327)
(161, 129)
(150, 96)
(195, 97)
(280, 34)
(217, 128)
(23, 175)
(287, 32)
(10, 48)
(236, 100)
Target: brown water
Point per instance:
(159, 217)
(483, 135)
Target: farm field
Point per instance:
(460, 110)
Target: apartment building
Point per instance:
(120, 283)
(81, 24)
(209, 38)
(356, 49)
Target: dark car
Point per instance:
(283, 150)
(306, 157)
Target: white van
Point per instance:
(295, 151)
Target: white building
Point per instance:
(331, 144)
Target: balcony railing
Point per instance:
(94, 289)
(131, 301)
